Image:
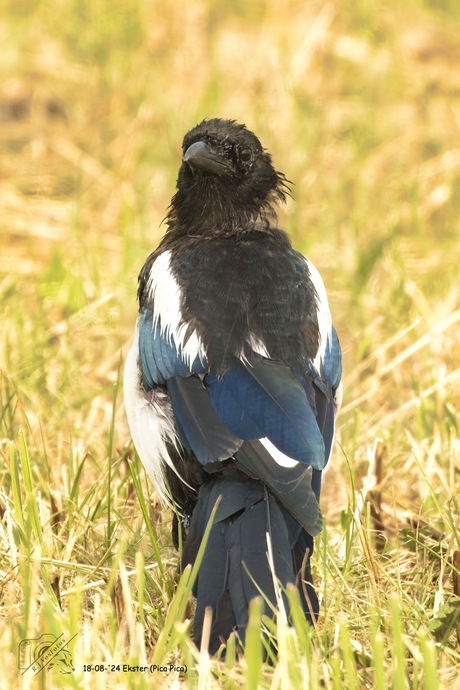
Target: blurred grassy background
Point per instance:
(359, 104)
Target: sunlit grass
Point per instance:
(359, 105)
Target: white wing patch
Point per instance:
(279, 457)
(322, 312)
(165, 294)
(150, 421)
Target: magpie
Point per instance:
(232, 384)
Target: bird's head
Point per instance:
(226, 181)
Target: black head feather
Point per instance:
(226, 183)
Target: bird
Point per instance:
(233, 382)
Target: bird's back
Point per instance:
(248, 293)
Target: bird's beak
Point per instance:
(199, 157)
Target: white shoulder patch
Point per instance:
(322, 311)
(166, 297)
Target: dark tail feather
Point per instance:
(235, 566)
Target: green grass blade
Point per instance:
(378, 661)
(253, 646)
(33, 516)
(399, 668)
(140, 495)
(346, 649)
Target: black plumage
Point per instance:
(233, 381)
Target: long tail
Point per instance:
(235, 567)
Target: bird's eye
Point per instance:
(245, 155)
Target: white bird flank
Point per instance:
(150, 420)
(323, 313)
(166, 298)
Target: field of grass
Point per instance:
(359, 104)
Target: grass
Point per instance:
(359, 104)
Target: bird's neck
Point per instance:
(205, 214)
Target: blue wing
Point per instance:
(160, 358)
(325, 386)
(264, 399)
(254, 399)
